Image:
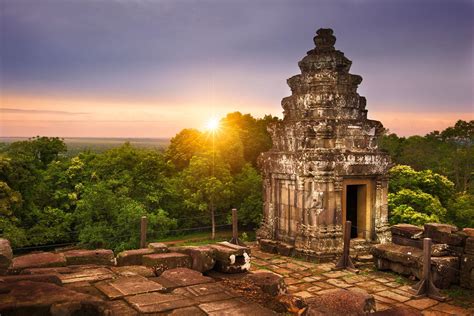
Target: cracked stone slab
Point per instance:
(134, 270)
(180, 277)
(131, 285)
(204, 293)
(89, 275)
(158, 302)
(234, 307)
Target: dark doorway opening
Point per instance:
(351, 208)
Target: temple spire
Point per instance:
(324, 40)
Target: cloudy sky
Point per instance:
(148, 68)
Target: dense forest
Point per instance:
(98, 198)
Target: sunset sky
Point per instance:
(143, 68)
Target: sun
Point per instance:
(213, 124)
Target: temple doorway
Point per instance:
(357, 207)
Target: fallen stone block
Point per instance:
(53, 270)
(125, 286)
(46, 278)
(467, 271)
(440, 250)
(158, 247)
(38, 298)
(134, 270)
(6, 255)
(469, 247)
(341, 302)
(180, 277)
(407, 261)
(158, 303)
(164, 261)
(468, 231)
(405, 230)
(231, 258)
(206, 292)
(202, 256)
(405, 241)
(83, 256)
(445, 271)
(133, 257)
(269, 282)
(38, 260)
(444, 234)
(239, 250)
(86, 275)
(405, 255)
(268, 245)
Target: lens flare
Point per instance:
(212, 124)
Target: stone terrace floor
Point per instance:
(307, 279)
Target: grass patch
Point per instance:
(201, 238)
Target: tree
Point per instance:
(461, 210)
(247, 191)
(418, 197)
(184, 146)
(206, 186)
(111, 220)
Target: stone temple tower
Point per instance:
(325, 166)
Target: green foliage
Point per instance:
(461, 210)
(414, 207)
(405, 177)
(110, 220)
(449, 153)
(248, 196)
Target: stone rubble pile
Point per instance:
(452, 253)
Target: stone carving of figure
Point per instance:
(318, 201)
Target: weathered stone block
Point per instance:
(405, 230)
(268, 245)
(445, 271)
(83, 256)
(469, 247)
(130, 285)
(440, 250)
(158, 303)
(39, 298)
(468, 231)
(165, 261)
(405, 241)
(226, 252)
(87, 274)
(444, 234)
(202, 256)
(467, 271)
(134, 270)
(285, 249)
(341, 302)
(269, 282)
(234, 264)
(133, 257)
(158, 247)
(38, 260)
(6, 255)
(180, 277)
(406, 255)
(47, 278)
